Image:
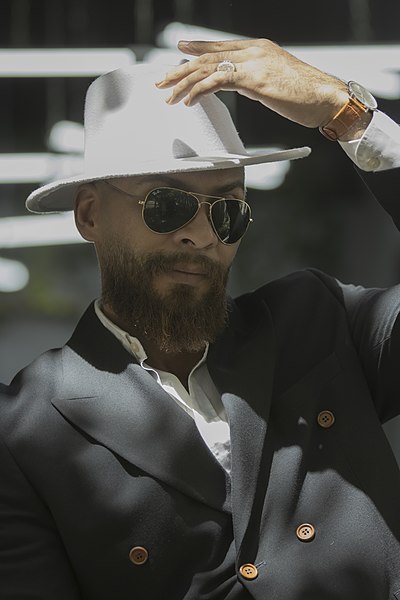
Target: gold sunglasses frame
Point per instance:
(199, 203)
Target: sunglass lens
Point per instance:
(230, 218)
(168, 209)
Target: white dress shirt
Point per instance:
(379, 147)
(202, 402)
(377, 150)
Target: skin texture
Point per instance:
(264, 72)
(103, 215)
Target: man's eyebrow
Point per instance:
(232, 185)
(158, 179)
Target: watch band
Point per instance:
(344, 120)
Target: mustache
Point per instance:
(157, 263)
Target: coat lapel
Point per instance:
(112, 399)
(242, 366)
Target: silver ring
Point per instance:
(226, 65)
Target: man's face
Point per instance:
(169, 288)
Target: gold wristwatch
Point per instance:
(360, 103)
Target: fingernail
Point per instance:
(183, 42)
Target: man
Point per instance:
(186, 446)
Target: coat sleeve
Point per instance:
(33, 562)
(374, 313)
(374, 322)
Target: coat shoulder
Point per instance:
(293, 293)
(25, 404)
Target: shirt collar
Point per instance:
(130, 343)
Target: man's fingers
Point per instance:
(199, 76)
(183, 86)
(178, 73)
(196, 48)
(204, 63)
(215, 82)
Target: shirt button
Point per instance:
(326, 419)
(135, 347)
(373, 163)
(248, 571)
(138, 555)
(305, 532)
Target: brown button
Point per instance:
(138, 555)
(248, 571)
(305, 532)
(326, 419)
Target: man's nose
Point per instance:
(199, 232)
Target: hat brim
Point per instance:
(59, 196)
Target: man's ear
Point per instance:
(86, 210)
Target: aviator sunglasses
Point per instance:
(166, 209)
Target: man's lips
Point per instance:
(192, 275)
(190, 270)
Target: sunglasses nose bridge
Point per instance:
(207, 207)
(209, 214)
(198, 226)
(204, 212)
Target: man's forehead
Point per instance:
(219, 180)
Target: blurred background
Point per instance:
(314, 212)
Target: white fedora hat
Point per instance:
(131, 130)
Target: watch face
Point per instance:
(360, 93)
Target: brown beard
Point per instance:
(181, 320)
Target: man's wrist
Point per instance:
(353, 117)
(358, 129)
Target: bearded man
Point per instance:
(182, 444)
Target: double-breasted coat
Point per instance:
(108, 492)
